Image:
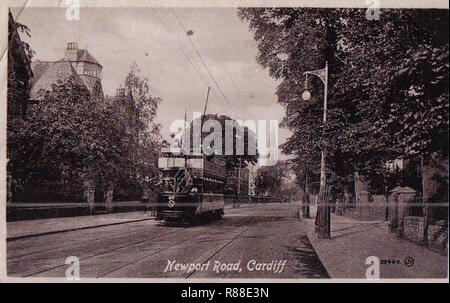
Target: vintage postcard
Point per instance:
(233, 141)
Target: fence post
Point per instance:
(393, 210)
(109, 197)
(89, 194)
(363, 204)
(402, 196)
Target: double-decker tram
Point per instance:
(190, 186)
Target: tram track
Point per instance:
(22, 258)
(104, 252)
(219, 250)
(13, 258)
(139, 253)
(176, 244)
(17, 238)
(153, 253)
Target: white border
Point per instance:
(443, 4)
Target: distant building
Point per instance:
(78, 63)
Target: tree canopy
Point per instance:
(244, 142)
(68, 133)
(388, 82)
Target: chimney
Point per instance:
(71, 53)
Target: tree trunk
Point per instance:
(347, 199)
(435, 185)
(361, 194)
(361, 186)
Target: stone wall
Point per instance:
(437, 233)
(438, 236)
(374, 210)
(413, 228)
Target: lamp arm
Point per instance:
(322, 74)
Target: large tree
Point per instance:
(67, 136)
(388, 86)
(242, 140)
(143, 128)
(268, 179)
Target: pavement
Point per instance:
(261, 241)
(352, 241)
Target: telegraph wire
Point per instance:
(206, 66)
(197, 69)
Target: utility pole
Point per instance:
(306, 200)
(323, 216)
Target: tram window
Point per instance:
(179, 162)
(162, 162)
(196, 163)
(170, 162)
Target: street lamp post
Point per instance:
(323, 218)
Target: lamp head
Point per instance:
(306, 95)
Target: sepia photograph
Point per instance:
(224, 141)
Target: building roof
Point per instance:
(48, 73)
(85, 55)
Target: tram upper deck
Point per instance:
(200, 167)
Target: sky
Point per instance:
(156, 40)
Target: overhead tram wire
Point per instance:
(197, 69)
(206, 66)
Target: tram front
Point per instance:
(177, 199)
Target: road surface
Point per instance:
(250, 242)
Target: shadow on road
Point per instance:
(356, 230)
(310, 264)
